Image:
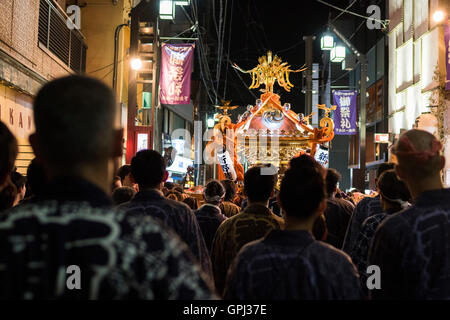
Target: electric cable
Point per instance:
(228, 52)
(345, 10)
(383, 22)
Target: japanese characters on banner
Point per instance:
(447, 54)
(175, 76)
(322, 156)
(227, 165)
(345, 113)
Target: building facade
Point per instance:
(345, 150)
(38, 44)
(416, 57)
(35, 47)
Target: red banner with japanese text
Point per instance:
(175, 76)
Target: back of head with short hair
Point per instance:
(148, 168)
(332, 179)
(174, 195)
(258, 187)
(8, 152)
(123, 171)
(214, 192)
(36, 177)
(178, 188)
(392, 189)
(74, 119)
(302, 188)
(384, 167)
(418, 153)
(191, 202)
(169, 185)
(230, 189)
(123, 194)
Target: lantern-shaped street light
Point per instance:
(210, 122)
(337, 54)
(167, 9)
(327, 42)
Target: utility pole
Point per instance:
(362, 125)
(361, 177)
(308, 74)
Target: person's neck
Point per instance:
(215, 204)
(293, 223)
(156, 188)
(17, 200)
(262, 203)
(418, 187)
(386, 206)
(97, 174)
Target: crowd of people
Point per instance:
(136, 236)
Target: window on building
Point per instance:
(53, 33)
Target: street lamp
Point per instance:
(167, 9)
(327, 42)
(438, 16)
(136, 64)
(210, 122)
(337, 54)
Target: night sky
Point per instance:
(259, 26)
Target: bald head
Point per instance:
(74, 118)
(418, 154)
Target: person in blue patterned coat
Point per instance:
(148, 170)
(338, 211)
(394, 196)
(69, 243)
(290, 263)
(209, 215)
(254, 222)
(412, 247)
(365, 208)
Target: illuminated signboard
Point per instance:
(142, 141)
(180, 164)
(381, 137)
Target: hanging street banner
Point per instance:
(175, 76)
(345, 114)
(447, 53)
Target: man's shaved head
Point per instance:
(418, 154)
(74, 118)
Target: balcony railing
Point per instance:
(66, 44)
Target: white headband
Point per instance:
(403, 204)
